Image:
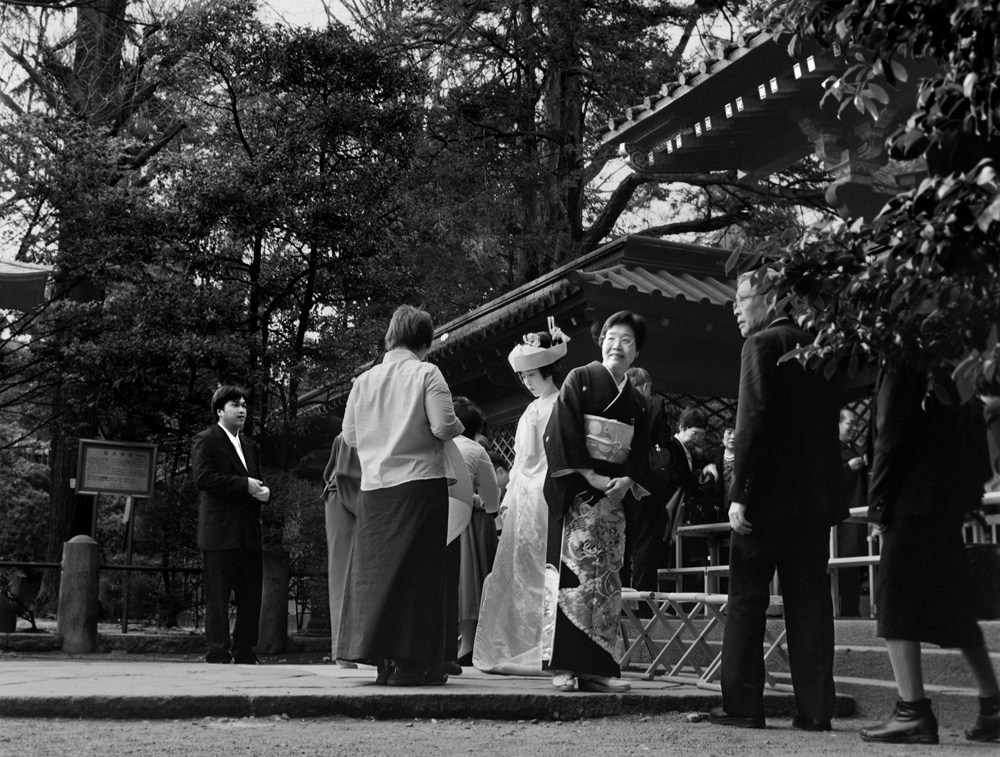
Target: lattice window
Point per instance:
(717, 409)
(861, 409)
(502, 438)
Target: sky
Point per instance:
(299, 12)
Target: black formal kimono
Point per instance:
(597, 425)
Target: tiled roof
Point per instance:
(17, 268)
(519, 305)
(670, 92)
(638, 280)
(733, 112)
(22, 285)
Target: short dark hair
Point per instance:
(639, 376)
(470, 415)
(728, 423)
(410, 327)
(498, 460)
(693, 417)
(227, 393)
(627, 318)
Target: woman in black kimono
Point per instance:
(597, 444)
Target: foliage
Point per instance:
(516, 177)
(921, 283)
(23, 504)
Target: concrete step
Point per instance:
(863, 671)
(941, 667)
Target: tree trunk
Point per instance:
(100, 34)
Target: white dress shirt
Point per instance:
(236, 443)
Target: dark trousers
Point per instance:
(452, 571)
(851, 541)
(799, 552)
(239, 572)
(649, 551)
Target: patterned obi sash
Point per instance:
(607, 440)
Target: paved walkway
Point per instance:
(99, 686)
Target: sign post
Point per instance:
(121, 468)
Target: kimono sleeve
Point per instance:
(565, 447)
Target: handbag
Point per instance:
(984, 574)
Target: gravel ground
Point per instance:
(634, 735)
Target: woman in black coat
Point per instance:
(928, 468)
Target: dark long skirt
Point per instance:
(394, 605)
(923, 590)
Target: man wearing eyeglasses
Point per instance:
(787, 492)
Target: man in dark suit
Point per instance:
(651, 518)
(660, 433)
(852, 538)
(226, 469)
(787, 492)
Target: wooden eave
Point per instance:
(736, 114)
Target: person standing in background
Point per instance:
(225, 466)
(660, 434)
(478, 542)
(342, 476)
(852, 538)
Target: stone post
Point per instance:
(274, 603)
(76, 617)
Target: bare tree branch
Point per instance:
(623, 193)
(711, 223)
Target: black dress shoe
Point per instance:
(384, 671)
(246, 658)
(465, 660)
(452, 668)
(809, 724)
(910, 723)
(987, 725)
(719, 716)
(219, 658)
(417, 678)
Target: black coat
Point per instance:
(228, 516)
(787, 464)
(928, 458)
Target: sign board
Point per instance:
(115, 468)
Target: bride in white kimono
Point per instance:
(509, 636)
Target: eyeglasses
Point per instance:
(741, 298)
(624, 341)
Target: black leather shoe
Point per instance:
(465, 660)
(452, 668)
(910, 723)
(809, 724)
(246, 658)
(987, 726)
(719, 716)
(417, 678)
(383, 672)
(219, 658)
